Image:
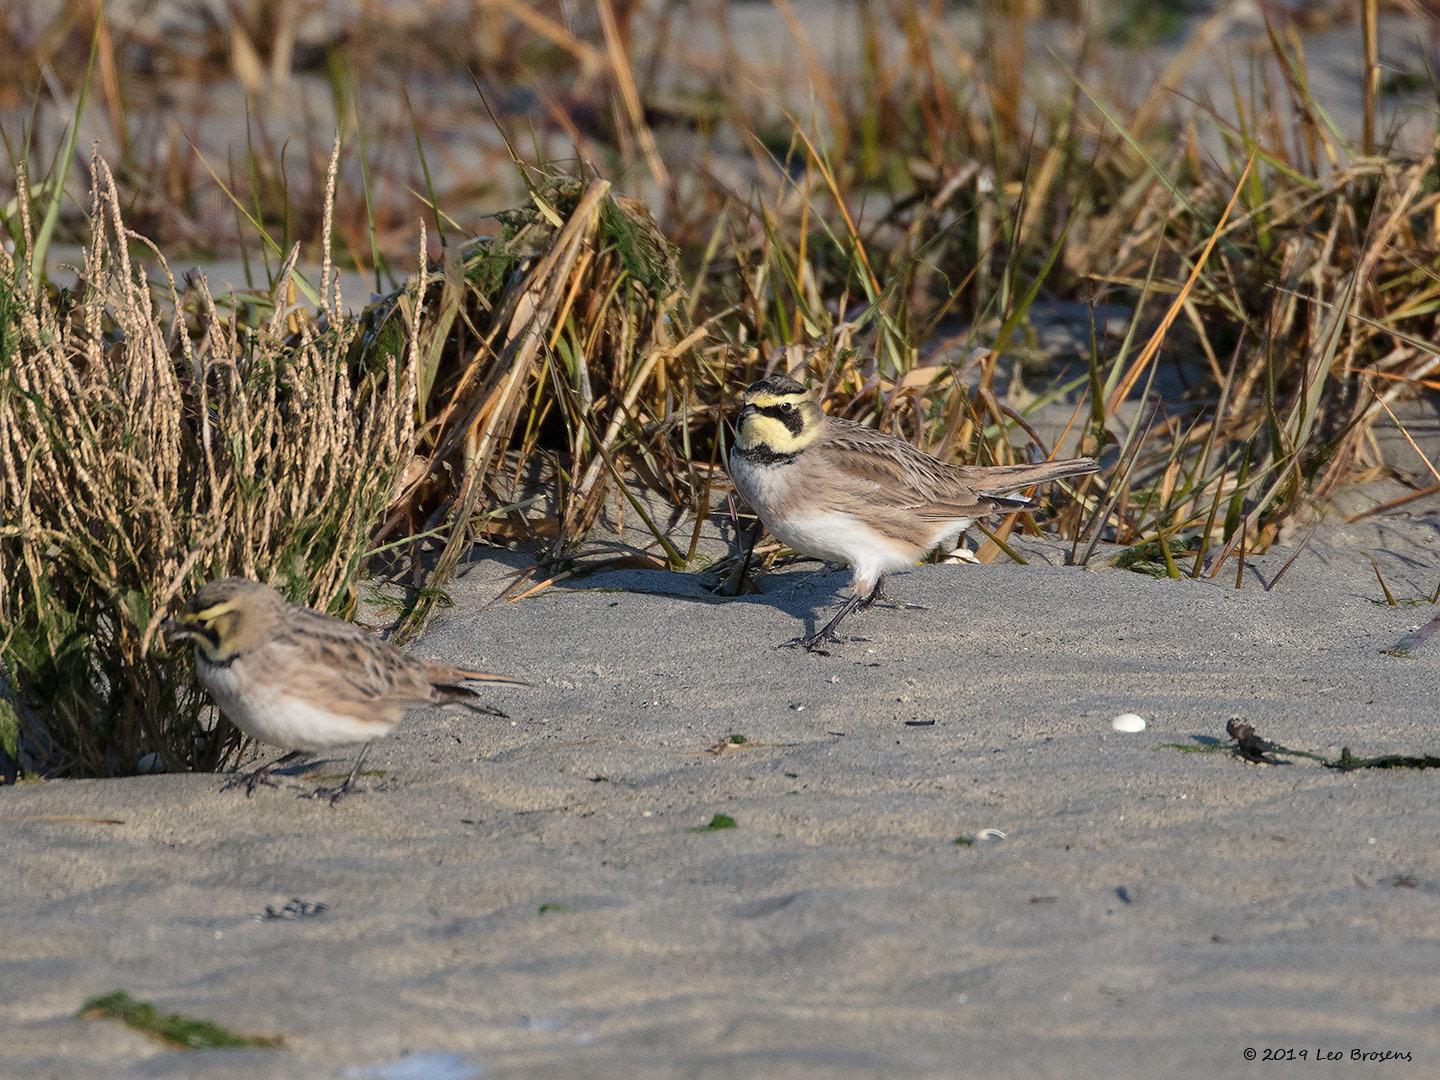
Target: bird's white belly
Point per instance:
(835, 537)
(284, 720)
(947, 534)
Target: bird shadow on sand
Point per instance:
(809, 593)
(302, 776)
(807, 590)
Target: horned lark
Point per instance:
(846, 493)
(297, 679)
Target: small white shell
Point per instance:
(989, 836)
(1128, 722)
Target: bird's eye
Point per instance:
(786, 407)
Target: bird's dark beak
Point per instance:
(174, 631)
(745, 410)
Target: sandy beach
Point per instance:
(529, 897)
(686, 852)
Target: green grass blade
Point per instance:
(67, 157)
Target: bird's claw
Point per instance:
(250, 781)
(812, 643)
(335, 794)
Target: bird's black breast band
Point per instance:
(760, 454)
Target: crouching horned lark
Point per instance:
(842, 492)
(297, 679)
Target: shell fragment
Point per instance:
(1128, 722)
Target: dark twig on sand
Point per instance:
(1250, 746)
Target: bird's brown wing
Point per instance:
(349, 668)
(350, 665)
(903, 477)
(896, 476)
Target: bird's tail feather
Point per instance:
(468, 676)
(999, 479)
(458, 678)
(461, 687)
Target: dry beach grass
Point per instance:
(149, 445)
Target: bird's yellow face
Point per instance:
(778, 417)
(221, 619)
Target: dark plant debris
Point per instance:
(1347, 762)
(296, 908)
(1154, 557)
(730, 742)
(1250, 746)
(1203, 744)
(172, 1029)
(1400, 881)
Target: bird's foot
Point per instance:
(736, 581)
(256, 777)
(827, 634)
(335, 794)
(250, 781)
(815, 642)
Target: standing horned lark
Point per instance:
(843, 492)
(295, 678)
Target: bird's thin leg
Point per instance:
(878, 595)
(755, 532)
(734, 585)
(256, 777)
(826, 633)
(336, 794)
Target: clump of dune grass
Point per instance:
(151, 439)
(894, 250)
(1286, 281)
(558, 354)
